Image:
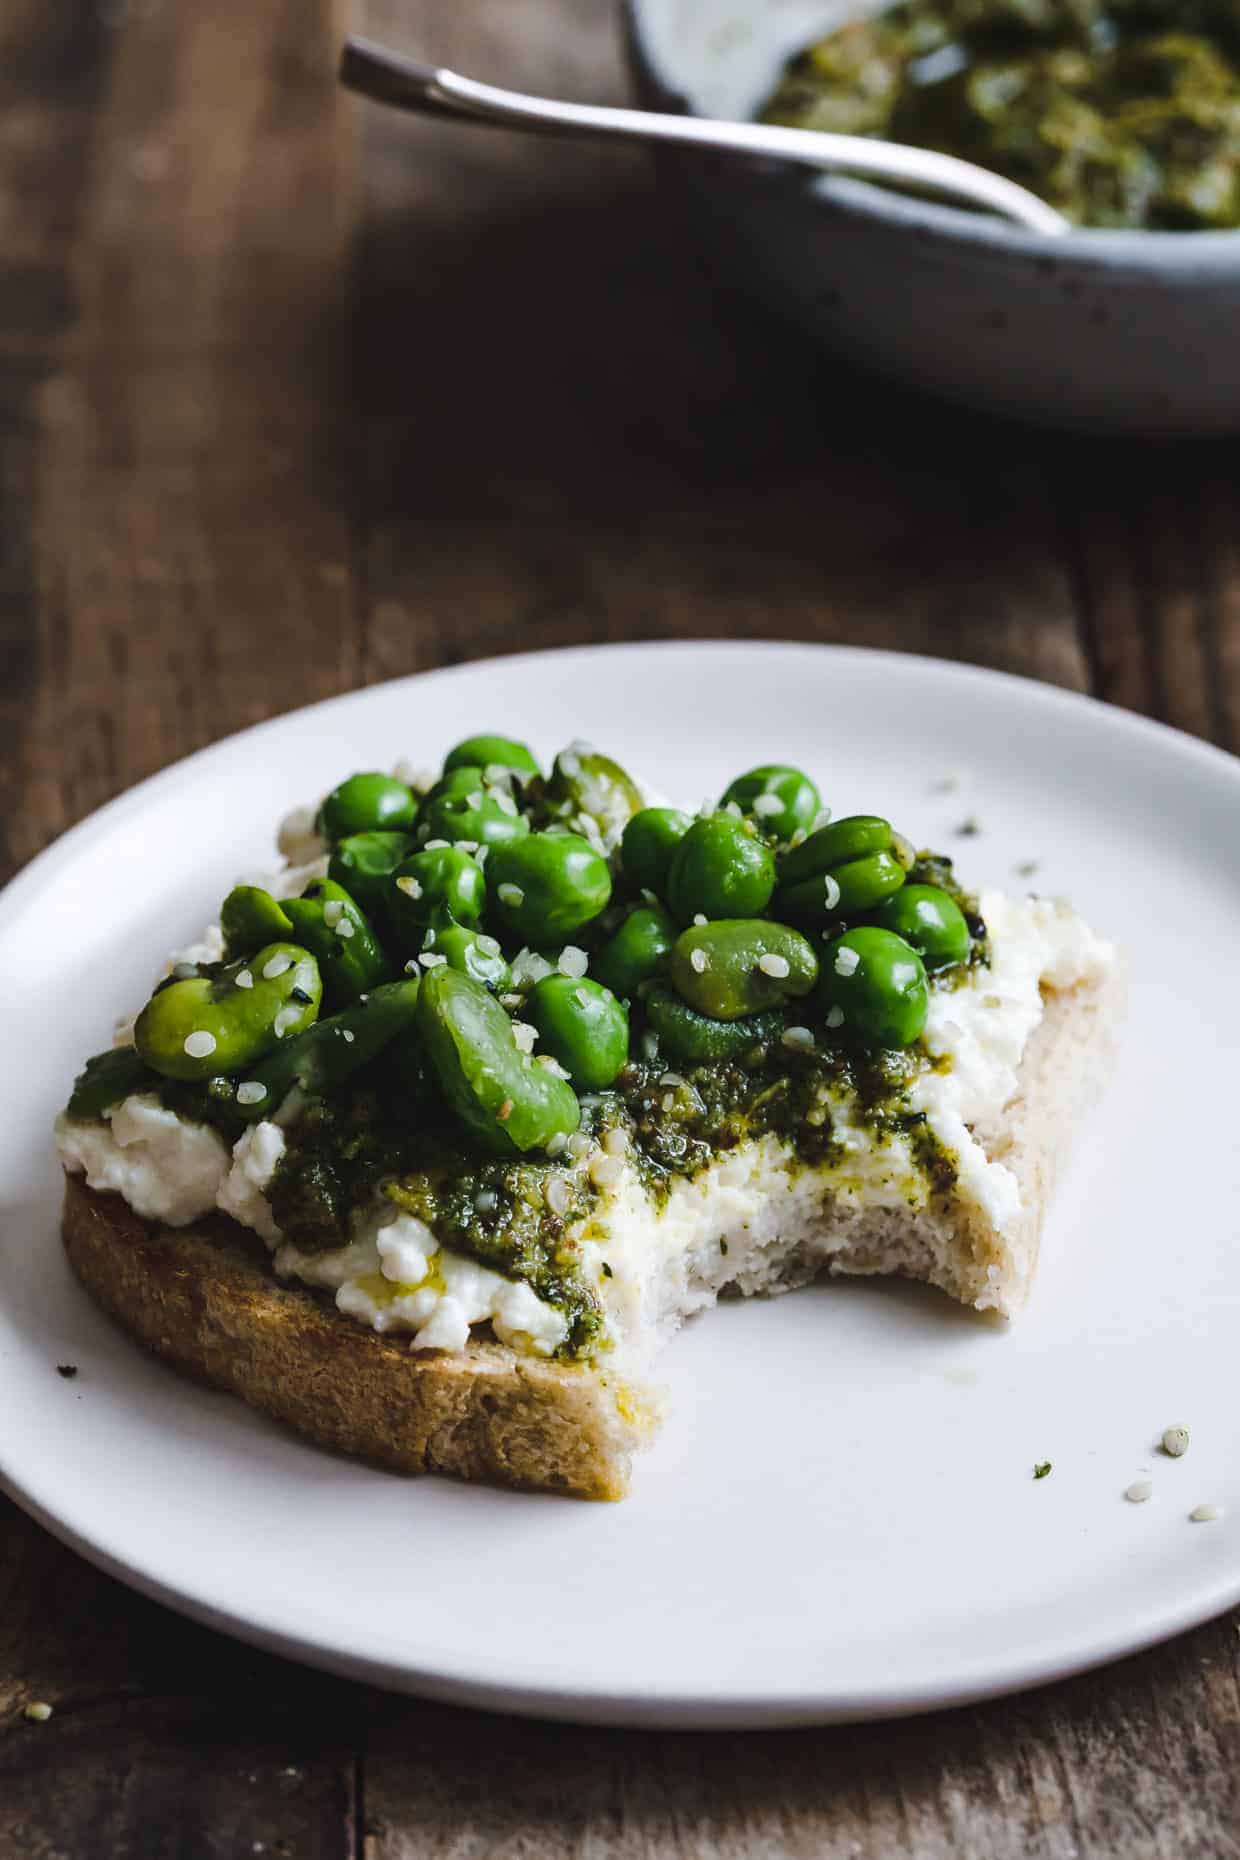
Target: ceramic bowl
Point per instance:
(1104, 331)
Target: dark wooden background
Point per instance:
(296, 395)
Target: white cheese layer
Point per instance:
(983, 1028)
(166, 1168)
(395, 1277)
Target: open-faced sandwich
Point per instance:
(432, 1143)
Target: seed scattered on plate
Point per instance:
(1139, 1491)
(511, 895)
(1205, 1514)
(276, 965)
(835, 1016)
(797, 1037)
(1175, 1440)
(38, 1711)
(847, 962)
(700, 919)
(774, 966)
(831, 890)
(244, 979)
(698, 960)
(573, 961)
(251, 1092)
(200, 1044)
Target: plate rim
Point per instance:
(662, 1707)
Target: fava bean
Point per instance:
(733, 967)
(464, 805)
(432, 886)
(931, 921)
(637, 950)
(547, 886)
(581, 1024)
(647, 845)
(504, 1097)
(872, 986)
(488, 752)
(250, 917)
(478, 956)
(327, 922)
(206, 1026)
(696, 1039)
(842, 870)
(367, 803)
(782, 800)
(364, 863)
(719, 869)
(585, 782)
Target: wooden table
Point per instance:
(296, 395)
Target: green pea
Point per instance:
(647, 845)
(546, 887)
(504, 1097)
(845, 891)
(328, 1052)
(205, 1026)
(327, 922)
(106, 1079)
(478, 956)
(250, 917)
(464, 805)
(440, 883)
(696, 1039)
(843, 869)
(586, 783)
(364, 863)
(369, 803)
(782, 800)
(931, 921)
(738, 966)
(872, 986)
(581, 1024)
(488, 752)
(720, 869)
(637, 950)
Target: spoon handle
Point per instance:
(431, 90)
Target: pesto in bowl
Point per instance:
(1120, 113)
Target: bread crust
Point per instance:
(204, 1298)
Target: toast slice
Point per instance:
(204, 1298)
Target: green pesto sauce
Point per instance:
(1120, 113)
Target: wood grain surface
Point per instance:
(295, 395)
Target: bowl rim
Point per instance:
(1183, 254)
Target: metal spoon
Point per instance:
(432, 91)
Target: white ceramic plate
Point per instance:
(840, 1519)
